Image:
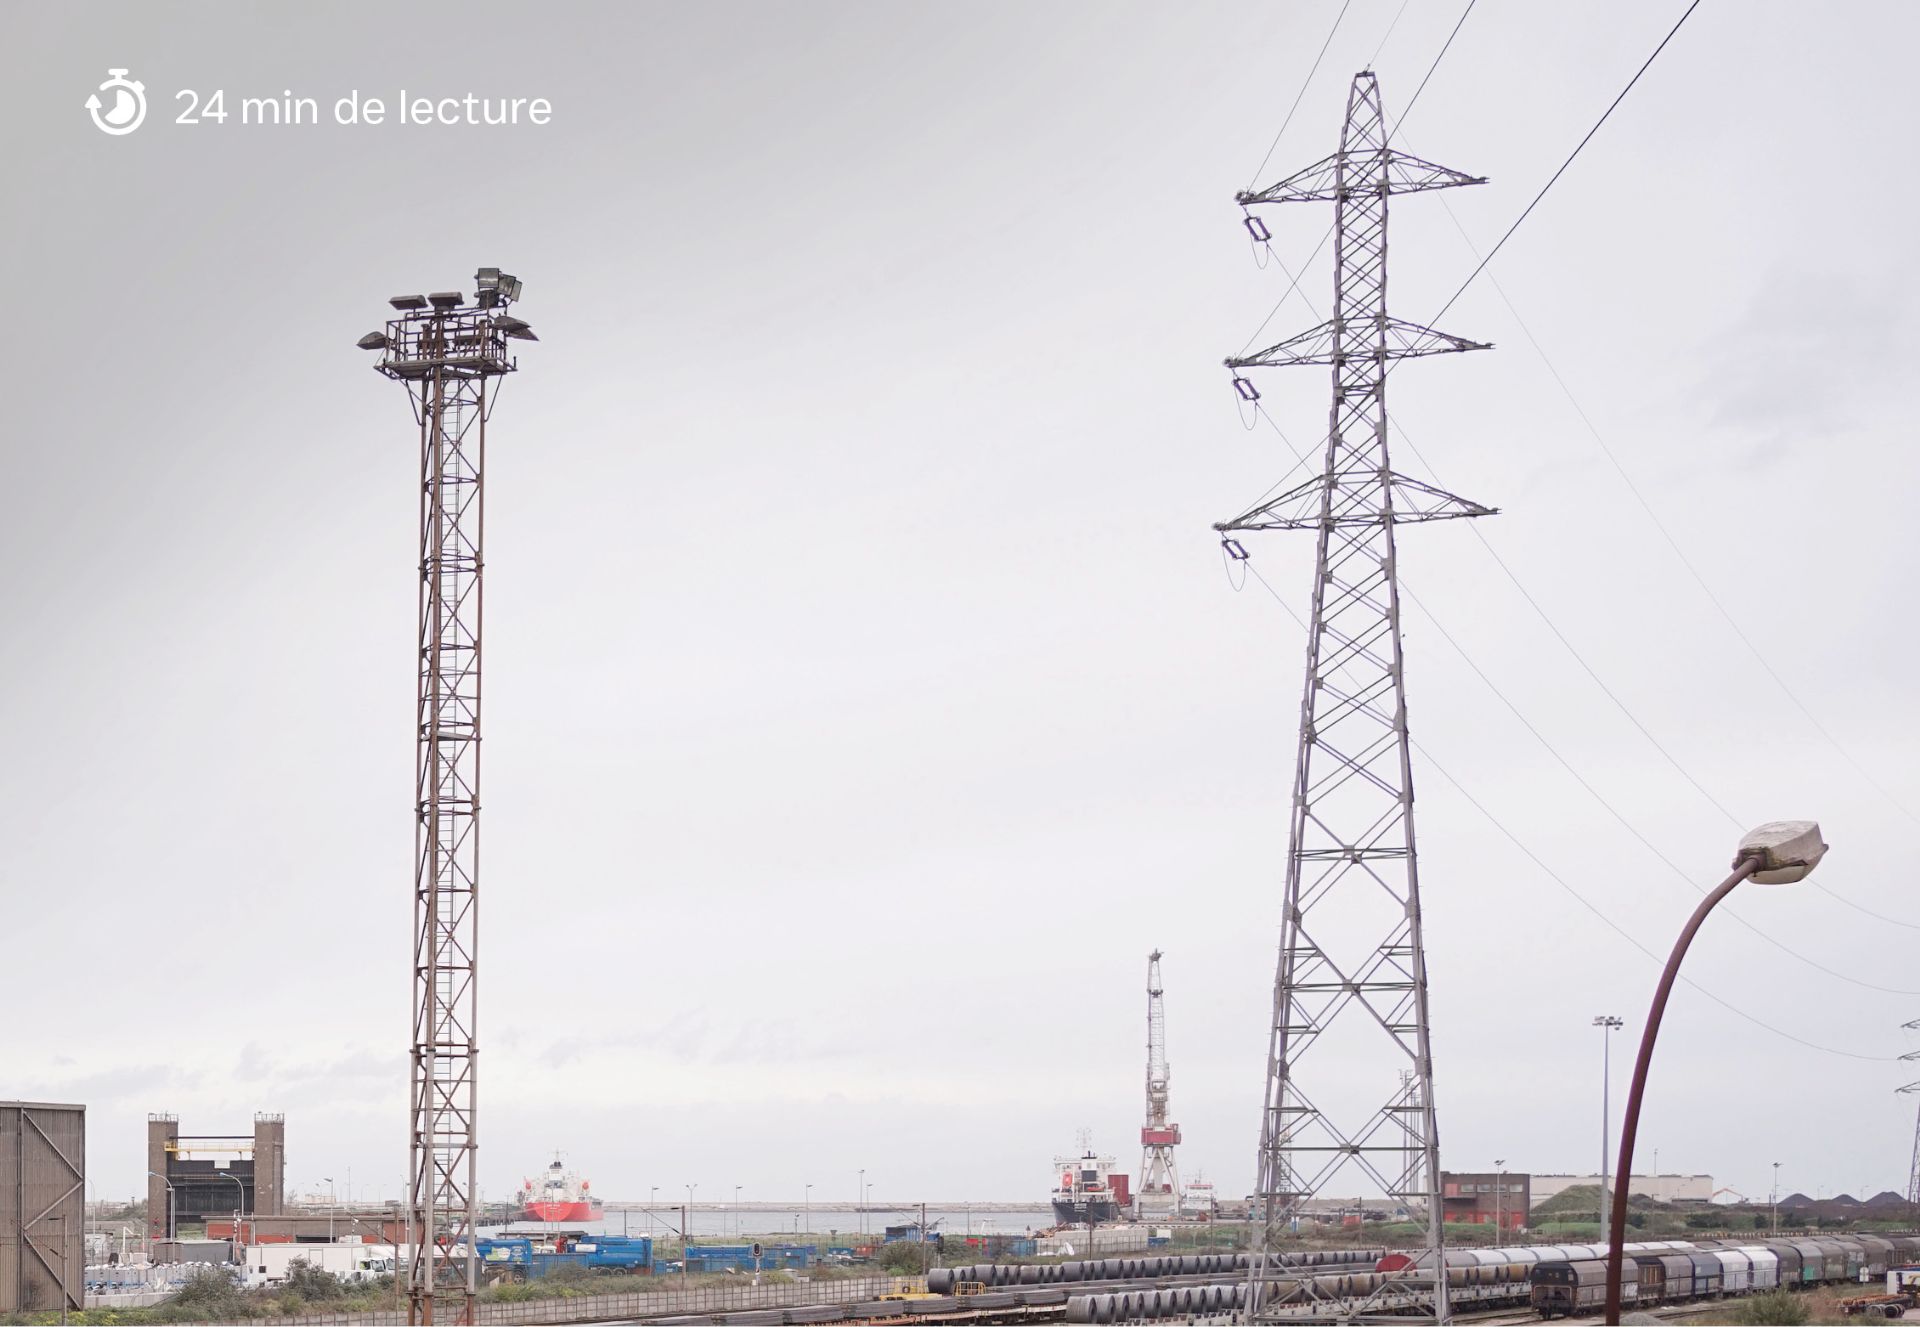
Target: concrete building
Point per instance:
(43, 1190)
(1663, 1188)
(192, 1177)
(1486, 1199)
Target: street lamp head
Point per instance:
(1787, 851)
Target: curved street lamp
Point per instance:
(1779, 853)
(240, 1212)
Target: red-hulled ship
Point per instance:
(560, 1195)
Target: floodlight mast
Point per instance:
(452, 360)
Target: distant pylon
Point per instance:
(1350, 929)
(1159, 1192)
(1913, 1167)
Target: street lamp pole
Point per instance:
(861, 1196)
(1606, 1023)
(1773, 1198)
(737, 1232)
(686, 1236)
(1499, 1200)
(239, 1212)
(807, 1202)
(1778, 853)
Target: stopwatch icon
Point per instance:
(129, 104)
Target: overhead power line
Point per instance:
(1294, 280)
(1567, 887)
(1577, 150)
(1673, 545)
(1304, 84)
(1302, 459)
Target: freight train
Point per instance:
(1556, 1280)
(1576, 1281)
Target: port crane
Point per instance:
(1159, 1193)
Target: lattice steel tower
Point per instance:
(1913, 1167)
(1352, 977)
(452, 360)
(1159, 1175)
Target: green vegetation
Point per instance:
(211, 1296)
(1776, 1308)
(901, 1258)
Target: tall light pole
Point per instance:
(686, 1236)
(1606, 1023)
(1778, 853)
(860, 1200)
(1499, 1199)
(1773, 1199)
(452, 360)
(239, 1212)
(807, 1202)
(736, 1212)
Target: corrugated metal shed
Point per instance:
(43, 1181)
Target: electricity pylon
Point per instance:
(1352, 964)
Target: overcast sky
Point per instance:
(866, 692)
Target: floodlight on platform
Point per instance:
(408, 303)
(446, 299)
(373, 341)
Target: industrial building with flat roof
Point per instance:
(1661, 1188)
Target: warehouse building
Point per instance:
(43, 1185)
(1661, 1188)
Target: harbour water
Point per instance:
(770, 1224)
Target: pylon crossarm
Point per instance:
(1333, 343)
(1301, 507)
(1400, 173)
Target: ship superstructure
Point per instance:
(1086, 1191)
